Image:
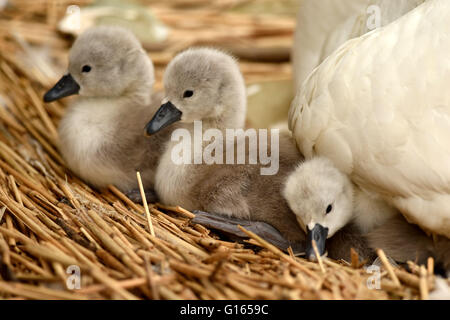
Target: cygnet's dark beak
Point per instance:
(319, 235)
(165, 116)
(65, 87)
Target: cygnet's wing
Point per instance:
(229, 226)
(379, 107)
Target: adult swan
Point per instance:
(379, 107)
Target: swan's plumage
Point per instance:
(379, 107)
(324, 25)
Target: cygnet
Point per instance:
(324, 200)
(102, 132)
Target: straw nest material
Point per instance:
(50, 220)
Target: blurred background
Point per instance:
(35, 36)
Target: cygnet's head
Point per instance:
(321, 197)
(105, 62)
(202, 84)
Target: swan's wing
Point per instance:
(379, 106)
(324, 25)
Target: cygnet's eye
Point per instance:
(86, 68)
(188, 94)
(329, 208)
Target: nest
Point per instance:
(54, 227)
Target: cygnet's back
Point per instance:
(241, 191)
